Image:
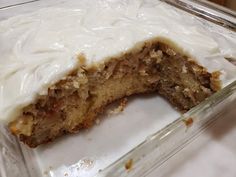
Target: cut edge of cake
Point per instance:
(74, 102)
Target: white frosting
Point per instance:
(39, 48)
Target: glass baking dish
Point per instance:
(153, 134)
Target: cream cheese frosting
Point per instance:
(39, 48)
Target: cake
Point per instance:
(61, 66)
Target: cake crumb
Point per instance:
(120, 108)
(188, 122)
(129, 164)
(81, 58)
(215, 82)
(66, 174)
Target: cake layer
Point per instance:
(39, 48)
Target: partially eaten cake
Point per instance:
(60, 67)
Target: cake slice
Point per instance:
(60, 67)
(74, 102)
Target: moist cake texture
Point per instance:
(74, 102)
(57, 77)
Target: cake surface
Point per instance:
(61, 75)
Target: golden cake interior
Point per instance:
(74, 102)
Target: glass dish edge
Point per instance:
(159, 147)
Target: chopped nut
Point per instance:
(143, 73)
(157, 55)
(76, 84)
(170, 52)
